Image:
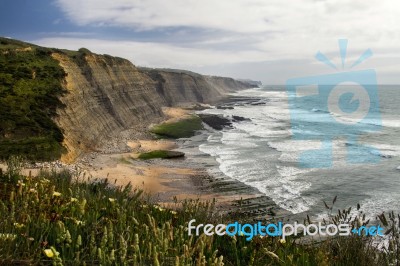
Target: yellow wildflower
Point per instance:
(56, 194)
(74, 199)
(78, 222)
(49, 253)
(111, 199)
(7, 236)
(18, 225)
(159, 208)
(283, 241)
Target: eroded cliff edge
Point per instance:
(107, 95)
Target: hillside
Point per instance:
(30, 87)
(59, 103)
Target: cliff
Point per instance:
(179, 86)
(64, 103)
(107, 95)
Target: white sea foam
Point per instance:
(244, 152)
(379, 202)
(391, 123)
(260, 93)
(387, 150)
(267, 122)
(279, 183)
(289, 172)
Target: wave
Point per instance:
(260, 93)
(316, 110)
(387, 149)
(380, 154)
(253, 166)
(261, 153)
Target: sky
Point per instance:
(267, 40)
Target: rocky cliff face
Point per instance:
(177, 87)
(106, 95)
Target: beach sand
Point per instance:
(168, 180)
(165, 179)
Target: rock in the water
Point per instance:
(225, 107)
(174, 154)
(237, 118)
(215, 121)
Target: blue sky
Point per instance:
(268, 40)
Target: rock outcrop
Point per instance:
(107, 95)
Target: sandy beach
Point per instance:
(169, 180)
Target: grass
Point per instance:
(57, 219)
(163, 154)
(183, 128)
(30, 84)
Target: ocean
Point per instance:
(263, 150)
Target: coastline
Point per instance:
(168, 181)
(171, 180)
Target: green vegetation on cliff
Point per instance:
(30, 83)
(162, 154)
(183, 128)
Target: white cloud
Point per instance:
(303, 18)
(236, 31)
(155, 54)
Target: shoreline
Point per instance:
(167, 180)
(171, 180)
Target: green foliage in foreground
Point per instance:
(183, 128)
(30, 83)
(163, 154)
(57, 219)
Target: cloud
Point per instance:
(197, 34)
(280, 26)
(241, 16)
(155, 54)
(246, 64)
(237, 16)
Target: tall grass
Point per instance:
(60, 219)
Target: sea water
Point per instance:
(262, 153)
